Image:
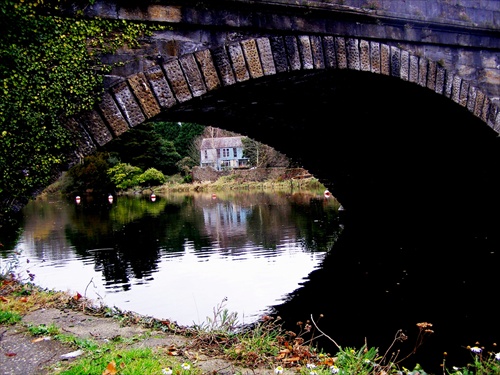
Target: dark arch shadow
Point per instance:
(369, 125)
(376, 141)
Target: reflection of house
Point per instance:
(225, 219)
(222, 153)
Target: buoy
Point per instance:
(78, 199)
(110, 198)
(153, 197)
(327, 194)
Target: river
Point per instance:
(292, 254)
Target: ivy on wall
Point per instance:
(49, 68)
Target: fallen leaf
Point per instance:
(10, 354)
(328, 362)
(3, 299)
(45, 338)
(110, 369)
(23, 299)
(77, 296)
(292, 359)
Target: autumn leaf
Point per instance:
(23, 299)
(292, 359)
(45, 338)
(77, 296)
(10, 354)
(328, 361)
(110, 369)
(3, 299)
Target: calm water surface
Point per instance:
(291, 255)
(180, 256)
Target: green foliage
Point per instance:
(90, 176)
(144, 148)
(50, 68)
(43, 330)
(9, 317)
(125, 176)
(483, 363)
(181, 134)
(152, 177)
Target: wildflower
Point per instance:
(278, 370)
(185, 366)
(310, 365)
(475, 349)
(497, 356)
(313, 373)
(334, 369)
(166, 371)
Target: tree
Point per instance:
(89, 177)
(145, 148)
(181, 134)
(263, 156)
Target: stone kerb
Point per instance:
(144, 95)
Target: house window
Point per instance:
(206, 154)
(225, 152)
(235, 154)
(218, 153)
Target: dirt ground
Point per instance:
(22, 353)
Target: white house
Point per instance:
(222, 153)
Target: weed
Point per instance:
(43, 330)
(218, 328)
(129, 362)
(483, 363)
(258, 343)
(9, 317)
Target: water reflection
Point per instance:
(181, 255)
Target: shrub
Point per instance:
(152, 177)
(124, 175)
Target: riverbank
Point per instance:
(46, 332)
(50, 332)
(232, 182)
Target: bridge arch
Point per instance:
(168, 85)
(163, 86)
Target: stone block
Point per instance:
(193, 75)
(144, 95)
(112, 115)
(128, 104)
(177, 80)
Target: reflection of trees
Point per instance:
(45, 219)
(300, 217)
(125, 240)
(128, 240)
(10, 232)
(317, 222)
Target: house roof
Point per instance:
(221, 142)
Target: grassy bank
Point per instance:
(264, 348)
(233, 183)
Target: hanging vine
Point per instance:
(50, 67)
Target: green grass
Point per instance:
(126, 362)
(9, 317)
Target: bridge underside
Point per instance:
(377, 142)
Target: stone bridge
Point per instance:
(382, 100)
